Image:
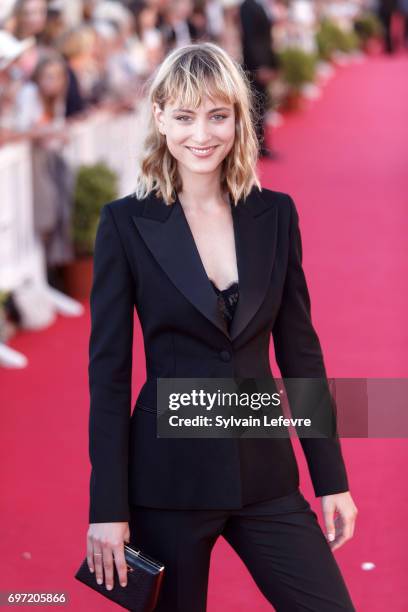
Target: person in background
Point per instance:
(146, 45)
(31, 18)
(403, 10)
(115, 24)
(199, 21)
(11, 53)
(215, 18)
(42, 119)
(45, 103)
(54, 30)
(177, 27)
(259, 59)
(230, 35)
(7, 16)
(55, 25)
(82, 48)
(385, 11)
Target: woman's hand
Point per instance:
(104, 548)
(339, 528)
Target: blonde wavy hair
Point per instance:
(186, 75)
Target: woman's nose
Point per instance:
(201, 132)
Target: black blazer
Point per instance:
(145, 257)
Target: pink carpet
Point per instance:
(344, 163)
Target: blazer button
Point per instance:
(225, 355)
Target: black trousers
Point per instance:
(279, 540)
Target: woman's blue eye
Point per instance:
(182, 117)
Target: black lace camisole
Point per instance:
(227, 300)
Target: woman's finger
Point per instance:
(346, 531)
(108, 565)
(97, 555)
(89, 554)
(120, 562)
(328, 516)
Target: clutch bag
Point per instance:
(144, 579)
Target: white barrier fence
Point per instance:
(114, 139)
(20, 253)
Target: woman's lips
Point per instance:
(201, 151)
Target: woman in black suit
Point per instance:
(212, 264)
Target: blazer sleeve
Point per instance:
(110, 373)
(299, 355)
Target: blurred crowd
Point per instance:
(59, 58)
(63, 60)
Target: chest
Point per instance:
(215, 242)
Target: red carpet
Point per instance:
(343, 161)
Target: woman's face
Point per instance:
(32, 17)
(52, 80)
(200, 138)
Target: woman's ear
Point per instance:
(158, 117)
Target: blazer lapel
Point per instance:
(255, 226)
(166, 232)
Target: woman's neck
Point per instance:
(202, 193)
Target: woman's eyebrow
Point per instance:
(186, 110)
